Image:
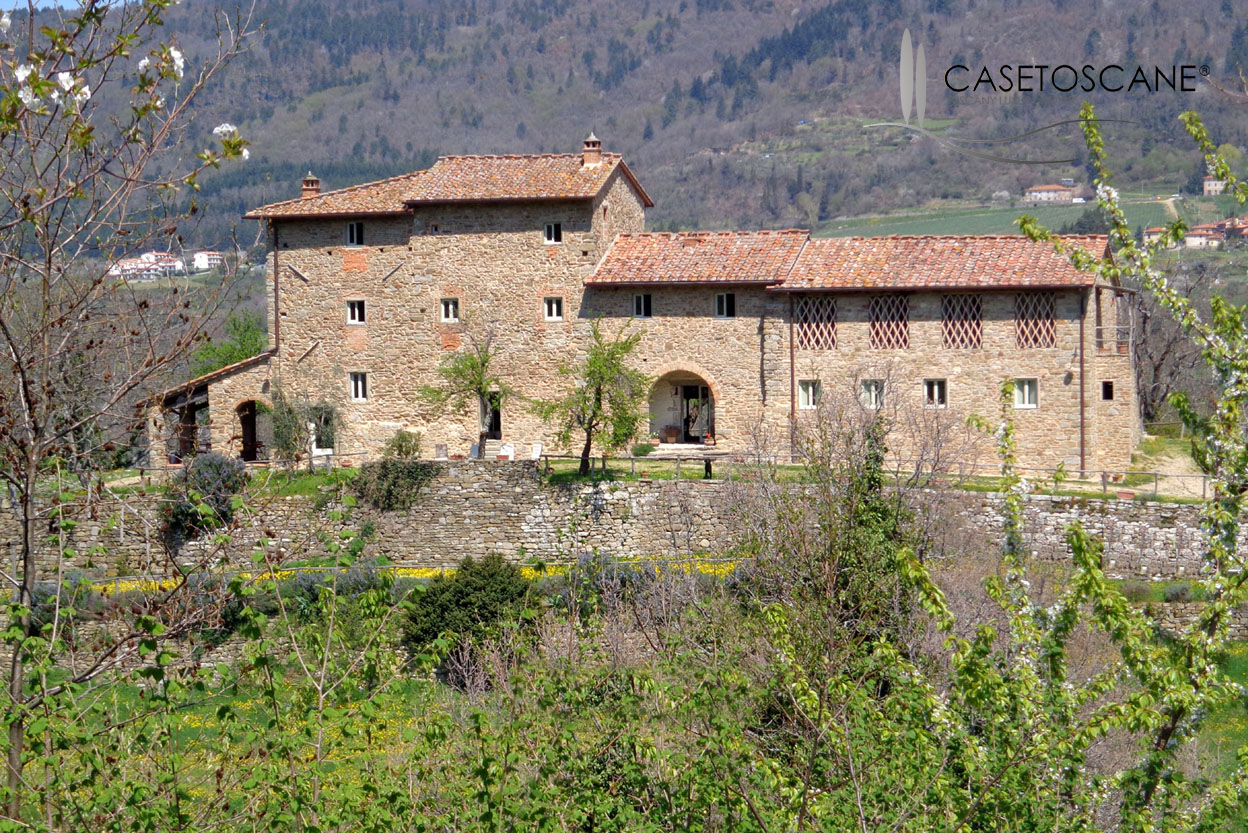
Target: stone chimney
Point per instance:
(311, 187)
(591, 153)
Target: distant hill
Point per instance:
(734, 113)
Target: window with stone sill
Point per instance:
(355, 234)
(642, 307)
(809, 392)
(935, 393)
(552, 308)
(554, 234)
(871, 394)
(726, 305)
(1026, 393)
(450, 311)
(359, 387)
(356, 313)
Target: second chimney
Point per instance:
(311, 187)
(591, 153)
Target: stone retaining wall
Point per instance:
(478, 508)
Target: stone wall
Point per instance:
(478, 508)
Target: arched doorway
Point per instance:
(682, 408)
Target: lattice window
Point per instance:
(890, 322)
(1035, 319)
(815, 322)
(962, 321)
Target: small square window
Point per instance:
(935, 393)
(355, 312)
(433, 228)
(355, 234)
(726, 305)
(641, 306)
(1107, 391)
(1026, 393)
(809, 392)
(450, 310)
(359, 387)
(552, 309)
(554, 234)
(871, 394)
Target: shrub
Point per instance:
(391, 484)
(1179, 592)
(642, 449)
(1137, 591)
(467, 604)
(202, 496)
(404, 445)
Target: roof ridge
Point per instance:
(723, 233)
(343, 190)
(957, 237)
(606, 154)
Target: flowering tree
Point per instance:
(94, 103)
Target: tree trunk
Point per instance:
(589, 442)
(17, 728)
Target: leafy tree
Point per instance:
(1091, 221)
(607, 403)
(95, 109)
(469, 377)
(244, 337)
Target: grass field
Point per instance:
(985, 220)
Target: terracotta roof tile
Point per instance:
(209, 378)
(385, 196)
(699, 257)
(899, 263)
(550, 176)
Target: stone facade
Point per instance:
(492, 258)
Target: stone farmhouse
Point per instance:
(744, 333)
(1037, 194)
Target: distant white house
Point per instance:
(206, 261)
(1049, 193)
(147, 267)
(1212, 186)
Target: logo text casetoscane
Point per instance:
(1064, 78)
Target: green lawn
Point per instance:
(983, 220)
(1227, 730)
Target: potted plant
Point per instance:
(670, 433)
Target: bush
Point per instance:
(392, 484)
(642, 449)
(1137, 591)
(404, 445)
(202, 496)
(1179, 592)
(467, 604)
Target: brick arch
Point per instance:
(692, 369)
(262, 400)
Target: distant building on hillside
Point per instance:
(1213, 186)
(206, 261)
(1049, 193)
(1068, 182)
(147, 267)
